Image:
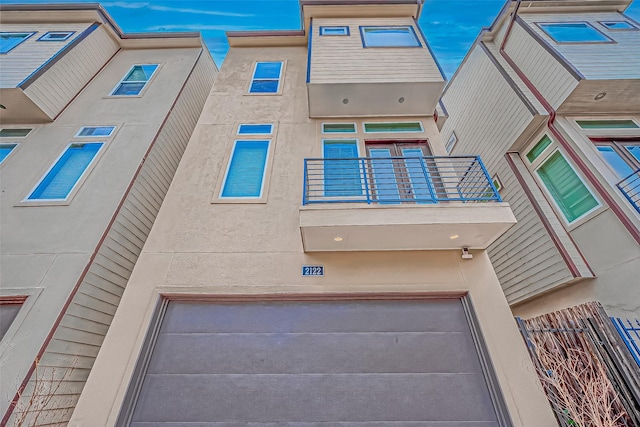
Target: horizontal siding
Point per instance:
(343, 59)
(598, 61)
(545, 72)
(487, 117)
(26, 58)
(77, 340)
(53, 90)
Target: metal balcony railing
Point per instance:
(630, 187)
(393, 180)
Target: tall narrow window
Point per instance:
(135, 80)
(567, 189)
(9, 41)
(266, 77)
(62, 178)
(246, 170)
(341, 168)
(6, 149)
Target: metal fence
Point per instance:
(630, 187)
(393, 180)
(630, 332)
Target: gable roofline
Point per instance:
(100, 13)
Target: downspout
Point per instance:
(551, 125)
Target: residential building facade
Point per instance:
(93, 124)
(318, 258)
(556, 116)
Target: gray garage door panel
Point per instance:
(346, 363)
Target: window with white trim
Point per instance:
(246, 170)
(341, 30)
(56, 36)
(14, 132)
(267, 77)
(9, 41)
(453, 139)
(95, 131)
(571, 195)
(65, 174)
(255, 129)
(135, 80)
(574, 32)
(389, 36)
(6, 149)
(338, 128)
(619, 25)
(392, 127)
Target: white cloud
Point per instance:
(201, 27)
(145, 5)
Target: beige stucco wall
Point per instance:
(199, 248)
(44, 248)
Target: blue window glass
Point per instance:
(262, 129)
(10, 40)
(266, 77)
(334, 31)
(5, 150)
(64, 175)
(135, 80)
(56, 36)
(245, 175)
(96, 131)
(401, 36)
(615, 160)
(573, 32)
(341, 174)
(619, 25)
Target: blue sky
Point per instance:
(450, 25)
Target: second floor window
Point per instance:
(267, 77)
(394, 36)
(574, 32)
(10, 40)
(64, 175)
(135, 80)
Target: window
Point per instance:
(96, 131)
(497, 183)
(63, 177)
(607, 124)
(135, 80)
(9, 308)
(5, 150)
(9, 41)
(619, 25)
(574, 32)
(338, 128)
(334, 31)
(259, 129)
(572, 197)
(246, 170)
(266, 77)
(14, 133)
(56, 36)
(453, 139)
(622, 155)
(396, 36)
(341, 174)
(393, 127)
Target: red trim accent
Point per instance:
(43, 348)
(584, 168)
(13, 299)
(392, 141)
(573, 268)
(367, 296)
(614, 138)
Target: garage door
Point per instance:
(345, 363)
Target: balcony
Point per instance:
(630, 187)
(400, 203)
